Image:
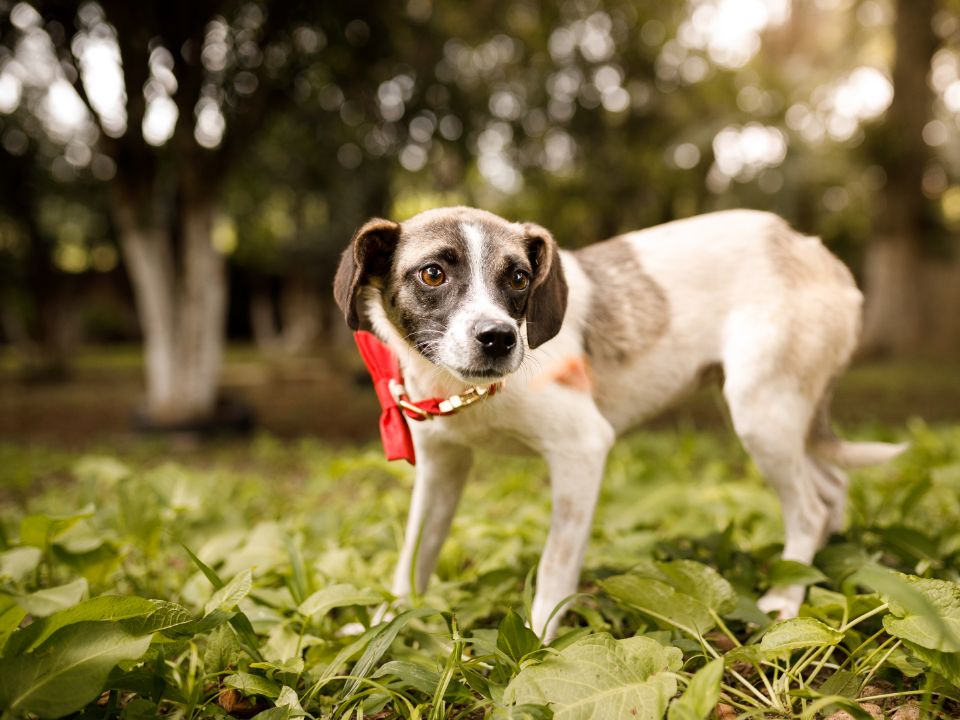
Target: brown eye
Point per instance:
(519, 280)
(432, 275)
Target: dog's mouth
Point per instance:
(476, 376)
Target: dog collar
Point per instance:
(396, 406)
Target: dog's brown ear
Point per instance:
(548, 291)
(368, 256)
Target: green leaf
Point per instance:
(791, 572)
(40, 530)
(784, 637)
(48, 601)
(411, 675)
(10, 618)
(165, 617)
(701, 582)
(288, 698)
(379, 643)
(924, 611)
(222, 649)
(661, 601)
(702, 693)
(514, 638)
(18, 562)
(843, 683)
(946, 664)
(250, 684)
(69, 671)
(227, 597)
(105, 607)
(334, 596)
(599, 677)
(523, 712)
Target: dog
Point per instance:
(468, 299)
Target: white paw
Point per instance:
(784, 601)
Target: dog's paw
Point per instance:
(784, 601)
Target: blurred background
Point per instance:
(177, 180)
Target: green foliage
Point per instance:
(252, 583)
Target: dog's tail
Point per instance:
(855, 454)
(825, 444)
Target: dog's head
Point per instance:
(459, 285)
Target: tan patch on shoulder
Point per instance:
(802, 260)
(628, 310)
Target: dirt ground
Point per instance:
(328, 396)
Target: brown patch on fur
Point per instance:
(628, 310)
(802, 260)
(573, 371)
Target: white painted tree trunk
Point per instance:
(182, 319)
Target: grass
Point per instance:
(260, 567)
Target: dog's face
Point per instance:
(459, 285)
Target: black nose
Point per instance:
(497, 338)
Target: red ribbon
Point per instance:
(384, 369)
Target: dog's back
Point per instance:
(666, 304)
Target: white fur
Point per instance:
(727, 305)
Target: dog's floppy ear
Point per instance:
(548, 291)
(368, 256)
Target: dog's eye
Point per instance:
(519, 280)
(432, 275)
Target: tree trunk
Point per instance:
(894, 322)
(301, 318)
(183, 323)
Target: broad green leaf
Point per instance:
(599, 677)
(701, 582)
(288, 698)
(40, 530)
(227, 597)
(523, 712)
(334, 596)
(49, 600)
(10, 618)
(18, 562)
(410, 674)
(105, 607)
(924, 611)
(946, 664)
(275, 713)
(701, 695)
(222, 649)
(69, 671)
(784, 637)
(791, 572)
(514, 638)
(843, 683)
(250, 684)
(165, 617)
(661, 601)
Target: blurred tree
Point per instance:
(174, 95)
(893, 270)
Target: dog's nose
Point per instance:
(496, 337)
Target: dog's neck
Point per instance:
(421, 377)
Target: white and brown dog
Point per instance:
(464, 297)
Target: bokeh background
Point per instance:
(177, 180)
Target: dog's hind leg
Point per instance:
(442, 470)
(771, 418)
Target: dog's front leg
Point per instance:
(575, 476)
(442, 470)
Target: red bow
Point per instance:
(388, 382)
